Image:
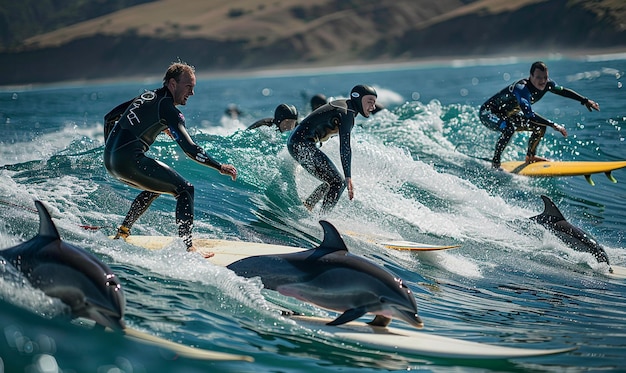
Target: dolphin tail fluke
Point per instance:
(349, 315)
(332, 239)
(46, 225)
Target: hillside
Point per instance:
(252, 34)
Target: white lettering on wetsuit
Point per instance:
(133, 119)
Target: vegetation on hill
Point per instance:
(251, 34)
(22, 19)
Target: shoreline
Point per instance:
(595, 55)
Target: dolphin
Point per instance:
(552, 219)
(70, 273)
(332, 278)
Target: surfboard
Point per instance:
(226, 251)
(380, 338)
(399, 244)
(182, 350)
(419, 343)
(564, 168)
(414, 246)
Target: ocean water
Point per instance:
(511, 283)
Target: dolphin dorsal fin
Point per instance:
(550, 212)
(551, 209)
(332, 239)
(46, 226)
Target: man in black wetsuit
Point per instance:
(133, 126)
(285, 119)
(510, 110)
(336, 117)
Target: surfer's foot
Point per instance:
(122, 232)
(495, 164)
(192, 249)
(536, 158)
(308, 205)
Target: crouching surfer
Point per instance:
(132, 127)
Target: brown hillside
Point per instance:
(250, 34)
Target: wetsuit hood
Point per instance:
(357, 94)
(284, 111)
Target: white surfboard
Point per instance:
(619, 272)
(182, 350)
(399, 244)
(419, 343)
(379, 338)
(226, 251)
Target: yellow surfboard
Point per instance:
(564, 168)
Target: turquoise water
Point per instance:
(511, 283)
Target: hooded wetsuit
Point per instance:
(141, 120)
(510, 110)
(336, 117)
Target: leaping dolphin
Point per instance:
(330, 277)
(574, 237)
(67, 272)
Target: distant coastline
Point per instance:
(595, 55)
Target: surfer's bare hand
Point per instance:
(350, 188)
(561, 129)
(229, 169)
(590, 104)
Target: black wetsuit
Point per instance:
(262, 122)
(141, 120)
(336, 117)
(510, 110)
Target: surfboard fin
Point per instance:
(588, 178)
(610, 176)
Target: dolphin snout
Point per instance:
(411, 317)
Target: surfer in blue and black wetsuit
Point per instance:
(336, 117)
(133, 126)
(510, 110)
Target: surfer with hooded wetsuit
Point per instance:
(132, 127)
(335, 117)
(285, 119)
(510, 110)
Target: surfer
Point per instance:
(335, 117)
(320, 100)
(232, 111)
(510, 110)
(285, 119)
(133, 126)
